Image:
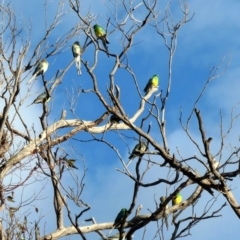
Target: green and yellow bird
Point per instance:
(76, 50)
(121, 215)
(40, 69)
(70, 163)
(101, 34)
(138, 150)
(43, 97)
(10, 199)
(152, 83)
(177, 199)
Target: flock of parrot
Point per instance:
(139, 150)
(122, 215)
(100, 33)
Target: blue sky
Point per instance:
(211, 35)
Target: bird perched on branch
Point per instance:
(101, 34)
(43, 97)
(10, 199)
(162, 199)
(152, 83)
(114, 119)
(118, 220)
(177, 199)
(70, 163)
(121, 215)
(76, 50)
(40, 69)
(138, 151)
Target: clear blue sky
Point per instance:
(211, 35)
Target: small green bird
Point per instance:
(121, 215)
(70, 163)
(138, 150)
(76, 50)
(114, 119)
(40, 69)
(177, 199)
(162, 199)
(10, 199)
(152, 83)
(101, 34)
(43, 97)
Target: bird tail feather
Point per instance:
(129, 162)
(166, 222)
(31, 79)
(29, 105)
(78, 65)
(104, 42)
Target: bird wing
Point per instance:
(146, 89)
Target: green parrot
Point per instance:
(10, 199)
(114, 119)
(162, 199)
(40, 69)
(41, 99)
(121, 215)
(101, 34)
(76, 50)
(177, 199)
(70, 163)
(138, 150)
(152, 83)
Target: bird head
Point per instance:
(162, 199)
(177, 194)
(96, 26)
